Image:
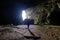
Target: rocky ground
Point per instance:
(19, 32)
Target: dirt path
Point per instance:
(18, 32)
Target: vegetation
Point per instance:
(41, 12)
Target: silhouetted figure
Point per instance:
(28, 22)
(28, 25)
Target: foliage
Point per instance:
(41, 12)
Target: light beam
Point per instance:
(24, 16)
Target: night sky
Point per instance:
(10, 11)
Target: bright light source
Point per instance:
(24, 16)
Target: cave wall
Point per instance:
(55, 17)
(45, 13)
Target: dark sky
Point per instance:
(10, 11)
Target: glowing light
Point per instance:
(24, 16)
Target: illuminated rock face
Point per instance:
(36, 13)
(58, 5)
(41, 12)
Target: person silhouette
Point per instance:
(28, 25)
(28, 22)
